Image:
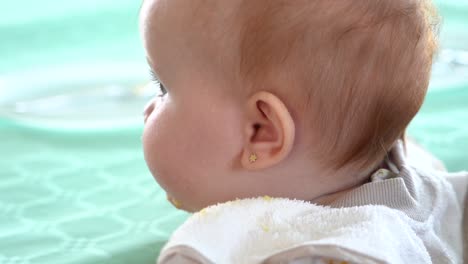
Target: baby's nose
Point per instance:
(149, 109)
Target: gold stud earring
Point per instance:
(253, 158)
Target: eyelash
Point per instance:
(155, 79)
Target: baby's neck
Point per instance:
(329, 198)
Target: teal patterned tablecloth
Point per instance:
(74, 187)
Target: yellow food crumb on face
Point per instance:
(267, 198)
(174, 202)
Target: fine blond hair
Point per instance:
(360, 69)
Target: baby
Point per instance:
(299, 99)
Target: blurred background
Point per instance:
(73, 184)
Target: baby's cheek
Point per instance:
(172, 148)
(214, 146)
(189, 151)
(157, 146)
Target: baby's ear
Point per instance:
(269, 132)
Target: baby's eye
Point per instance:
(162, 89)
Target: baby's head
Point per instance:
(296, 99)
